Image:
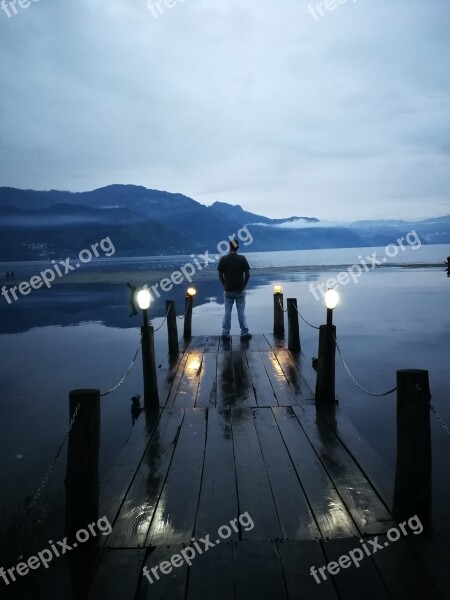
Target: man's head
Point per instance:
(234, 245)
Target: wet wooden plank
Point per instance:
(376, 470)
(280, 386)
(118, 575)
(224, 345)
(207, 388)
(169, 586)
(174, 517)
(351, 582)
(260, 380)
(296, 382)
(297, 557)
(254, 491)
(132, 525)
(218, 497)
(275, 342)
(118, 479)
(296, 520)
(166, 373)
(187, 390)
(368, 512)
(259, 343)
(331, 514)
(403, 575)
(176, 381)
(258, 572)
(211, 575)
(225, 380)
(244, 393)
(212, 345)
(198, 342)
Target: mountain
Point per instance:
(141, 221)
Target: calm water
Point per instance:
(81, 335)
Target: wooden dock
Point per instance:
(238, 432)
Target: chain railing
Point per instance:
(299, 314)
(433, 410)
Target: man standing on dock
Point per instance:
(234, 273)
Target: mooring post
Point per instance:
(412, 493)
(188, 316)
(278, 315)
(326, 365)
(172, 331)
(293, 326)
(82, 483)
(151, 397)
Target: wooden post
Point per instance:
(293, 327)
(151, 396)
(188, 317)
(326, 365)
(82, 483)
(278, 316)
(412, 494)
(172, 331)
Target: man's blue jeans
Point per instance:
(230, 298)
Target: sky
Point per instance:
(285, 107)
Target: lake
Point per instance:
(79, 334)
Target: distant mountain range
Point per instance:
(140, 221)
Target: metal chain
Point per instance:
(299, 314)
(126, 374)
(435, 412)
(356, 382)
(279, 300)
(57, 455)
(165, 318)
(185, 312)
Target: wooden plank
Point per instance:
(176, 381)
(174, 518)
(260, 380)
(258, 572)
(169, 586)
(368, 512)
(260, 343)
(297, 557)
(225, 380)
(275, 342)
(400, 570)
(295, 517)
(166, 374)
(218, 497)
(118, 575)
(351, 582)
(211, 575)
(207, 388)
(118, 479)
(187, 390)
(296, 382)
(132, 525)
(254, 491)
(376, 470)
(244, 393)
(283, 393)
(331, 514)
(224, 345)
(198, 342)
(304, 366)
(212, 345)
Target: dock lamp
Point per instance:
(326, 363)
(331, 301)
(151, 398)
(278, 314)
(189, 302)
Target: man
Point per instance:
(234, 273)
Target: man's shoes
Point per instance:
(246, 336)
(226, 337)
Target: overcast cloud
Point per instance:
(251, 102)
